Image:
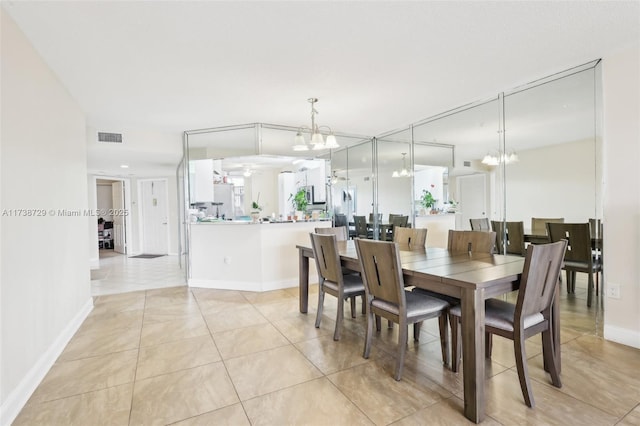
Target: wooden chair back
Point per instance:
(325, 253)
(481, 224)
(371, 217)
(471, 241)
(361, 226)
(539, 280)
(399, 221)
(578, 236)
(339, 231)
(539, 227)
(382, 271)
(412, 237)
(514, 237)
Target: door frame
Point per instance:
(126, 182)
(141, 216)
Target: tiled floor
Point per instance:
(207, 357)
(119, 273)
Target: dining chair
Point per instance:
(579, 256)
(539, 224)
(530, 315)
(361, 226)
(513, 232)
(411, 237)
(387, 297)
(339, 231)
(340, 220)
(481, 224)
(331, 279)
(396, 221)
(471, 241)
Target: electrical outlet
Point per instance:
(613, 291)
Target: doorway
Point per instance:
(154, 215)
(472, 194)
(113, 220)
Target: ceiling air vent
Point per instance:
(467, 163)
(110, 137)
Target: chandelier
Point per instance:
(497, 158)
(317, 140)
(404, 172)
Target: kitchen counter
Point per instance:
(241, 255)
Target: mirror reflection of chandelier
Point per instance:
(496, 159)
(404, 172)
(317, 140)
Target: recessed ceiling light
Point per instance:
(124, 166)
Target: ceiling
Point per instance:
(165, 67)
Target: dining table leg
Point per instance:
(303, 281)
(473, 355)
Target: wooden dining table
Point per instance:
(471, 277)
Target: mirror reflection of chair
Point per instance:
(396, 221)
(514, 235)
(471, 241)
(529, 316)
(539, 224)
(410, 237)
(387, 297)
(579, 256)
(361, 226)
(331, 279)
(481, 224)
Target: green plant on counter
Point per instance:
(299, 200)
(427, 200)
(255, 206)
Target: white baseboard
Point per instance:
(622, 335)
(243, 285)
(18, 397)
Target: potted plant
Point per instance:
(299, 202)
(428, 201)
(256, 209)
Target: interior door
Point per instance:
(472, 194)
(119, 239)
(153, 198)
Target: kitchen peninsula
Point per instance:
(238, 255)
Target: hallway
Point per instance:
(121, 274)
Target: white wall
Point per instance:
(45, 282)
(621, 106)
(563, 185)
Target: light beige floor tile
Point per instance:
(109, 406)
(177, 355)
(620, 357)
(593, 381)
(118, 303)
(448, 412)
(169, 296)
(267, 296)
(170, 312)
(244, 341)
(317, 402)
(553, 407)
(241, 317)
(268, 371)
(214, 306)
(375, 391)
(207, 294)
(97, 322)
(282, 308)
(503, 353)
(181, 395)
(169, 331)
(425, 361)
(331, 356)
(232, 415)
(631, 419)
(101, 342)
(300, 327)
(86, 375)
